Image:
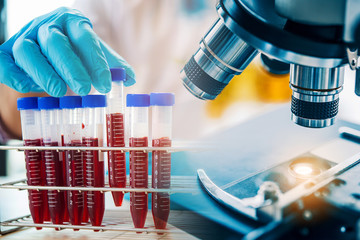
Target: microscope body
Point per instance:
(317, 37)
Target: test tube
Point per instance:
(50, 122)
(139, 131)
(35, 167)
(62, 157)
(162, 104)
(115, 113)
(72, 128)
(94, 117)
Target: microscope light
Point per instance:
(307, 167)
(303, 170)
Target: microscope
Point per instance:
(317, 37)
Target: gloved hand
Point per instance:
(59, 49)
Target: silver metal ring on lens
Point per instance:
(221, 56)
(315, 78)
(312, 123)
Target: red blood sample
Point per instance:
(74, 169)
(116, 159)
(161, 168)
(63, 161)
(46, 200)
(45, 192)
(94, 178)
(54, 177)
(35, 173)
(138, 179)
(85, 216)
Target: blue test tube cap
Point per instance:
(48, 103)
(70, 102)
(138, 100)
(93, 101)
(118, 74)
(162, 99)
(27, 103)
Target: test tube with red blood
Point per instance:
(139, 131)
(72, 130)
(50, 123)
(115, 113)
(62, 158)
(161, 126)
(94, 120)
(35, 166)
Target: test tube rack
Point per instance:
(179, 184)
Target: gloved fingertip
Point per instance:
(23, 88)
(103, 81)
(103, 90)
(107, 88)
(58, 92)
(129, 81)
(36, 90)
(84, 90)
(18, 81)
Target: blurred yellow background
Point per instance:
(254, 84)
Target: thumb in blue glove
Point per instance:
(56, 50)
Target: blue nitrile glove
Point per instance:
(59, 49)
